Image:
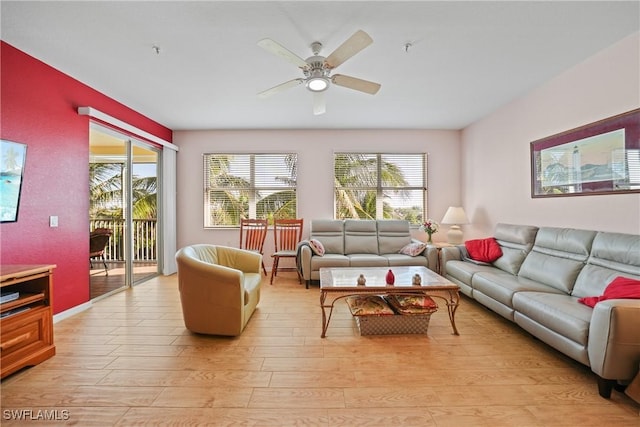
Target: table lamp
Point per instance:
(455, 216)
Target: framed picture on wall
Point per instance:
(12, 160)
(598, 158)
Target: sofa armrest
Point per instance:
(614, 339)
(305, 253)
(431, 253)
(450, 253)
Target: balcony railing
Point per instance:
(144, 238)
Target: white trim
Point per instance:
(92, 112)
(72, 311)
(169, 208)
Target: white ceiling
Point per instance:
(467, 58)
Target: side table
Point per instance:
(439, 246)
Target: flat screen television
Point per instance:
(12, 161)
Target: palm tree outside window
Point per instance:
(261, 186)
(380, 186)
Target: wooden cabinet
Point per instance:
(26, 325)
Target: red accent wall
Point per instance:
(39, 108)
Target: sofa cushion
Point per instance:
(367, 260)
(484, 250)
(317, 247)
(515, 241)
(406, 260)
(619, 288)
(557, 257)
(393, 235)
(502, 286)
(559, 313)
(612, 255)
(360, 236)
(521, 234)
(329, 261)
(329, 232)
(411, 249)
(462, 270)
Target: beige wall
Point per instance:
(315, 150)
(495, 150)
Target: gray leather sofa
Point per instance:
(360, 243)
(538, 280)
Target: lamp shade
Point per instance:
(455, 215)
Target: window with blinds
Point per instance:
(633, 168)
(380, 186)
(239, 186)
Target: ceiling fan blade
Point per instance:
(279, 88)
(354, 44)
(319, 104)
(356, 84)
(281, 51)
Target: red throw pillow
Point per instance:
(619, 288)
(485, 250)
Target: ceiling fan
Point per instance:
(317, 69)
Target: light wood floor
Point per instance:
(128, 360)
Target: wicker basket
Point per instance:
(396, 324)
(375, 316)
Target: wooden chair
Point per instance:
(253, 232)
(287, 233)
(98, 240)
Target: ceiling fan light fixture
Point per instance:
(317, 84)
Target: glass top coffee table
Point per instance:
(339, 283)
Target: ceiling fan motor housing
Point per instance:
(317, 74)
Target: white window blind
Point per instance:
(380, 186)
(248, 186)
(633, 168)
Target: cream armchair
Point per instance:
(219, 288)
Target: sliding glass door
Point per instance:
(124, 179)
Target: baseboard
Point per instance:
(72, 311)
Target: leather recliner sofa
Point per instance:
(360, 243)
(538, 281)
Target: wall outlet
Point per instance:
(53, 221)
